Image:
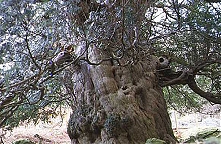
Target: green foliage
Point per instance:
(23, 142)
(189, 34)
(22, 114)
(80, 120)
(194, 36)
(206, 136)
(28, 31)
(188, 31)
(212, 140)
(155, 141)
(112, 124)
(182, 99)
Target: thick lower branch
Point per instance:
(207, 95)
(168, 77)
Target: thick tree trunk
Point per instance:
(117, 104)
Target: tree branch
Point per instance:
(204, 64)
(213, 1)
(30, 54)
(181, 79)
(207, 95)
(167, 77)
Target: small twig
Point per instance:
(19, 83)
(30, 54)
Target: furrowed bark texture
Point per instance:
(115, 104)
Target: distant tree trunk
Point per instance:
(117, 104)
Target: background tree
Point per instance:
(113, 79)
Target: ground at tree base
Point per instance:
(42, 133)
(56, 133)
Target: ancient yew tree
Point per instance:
(107, 60)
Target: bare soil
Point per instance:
(38, 134)
(54, 132)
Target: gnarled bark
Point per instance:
(116, 104)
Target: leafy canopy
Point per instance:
(187, 31)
